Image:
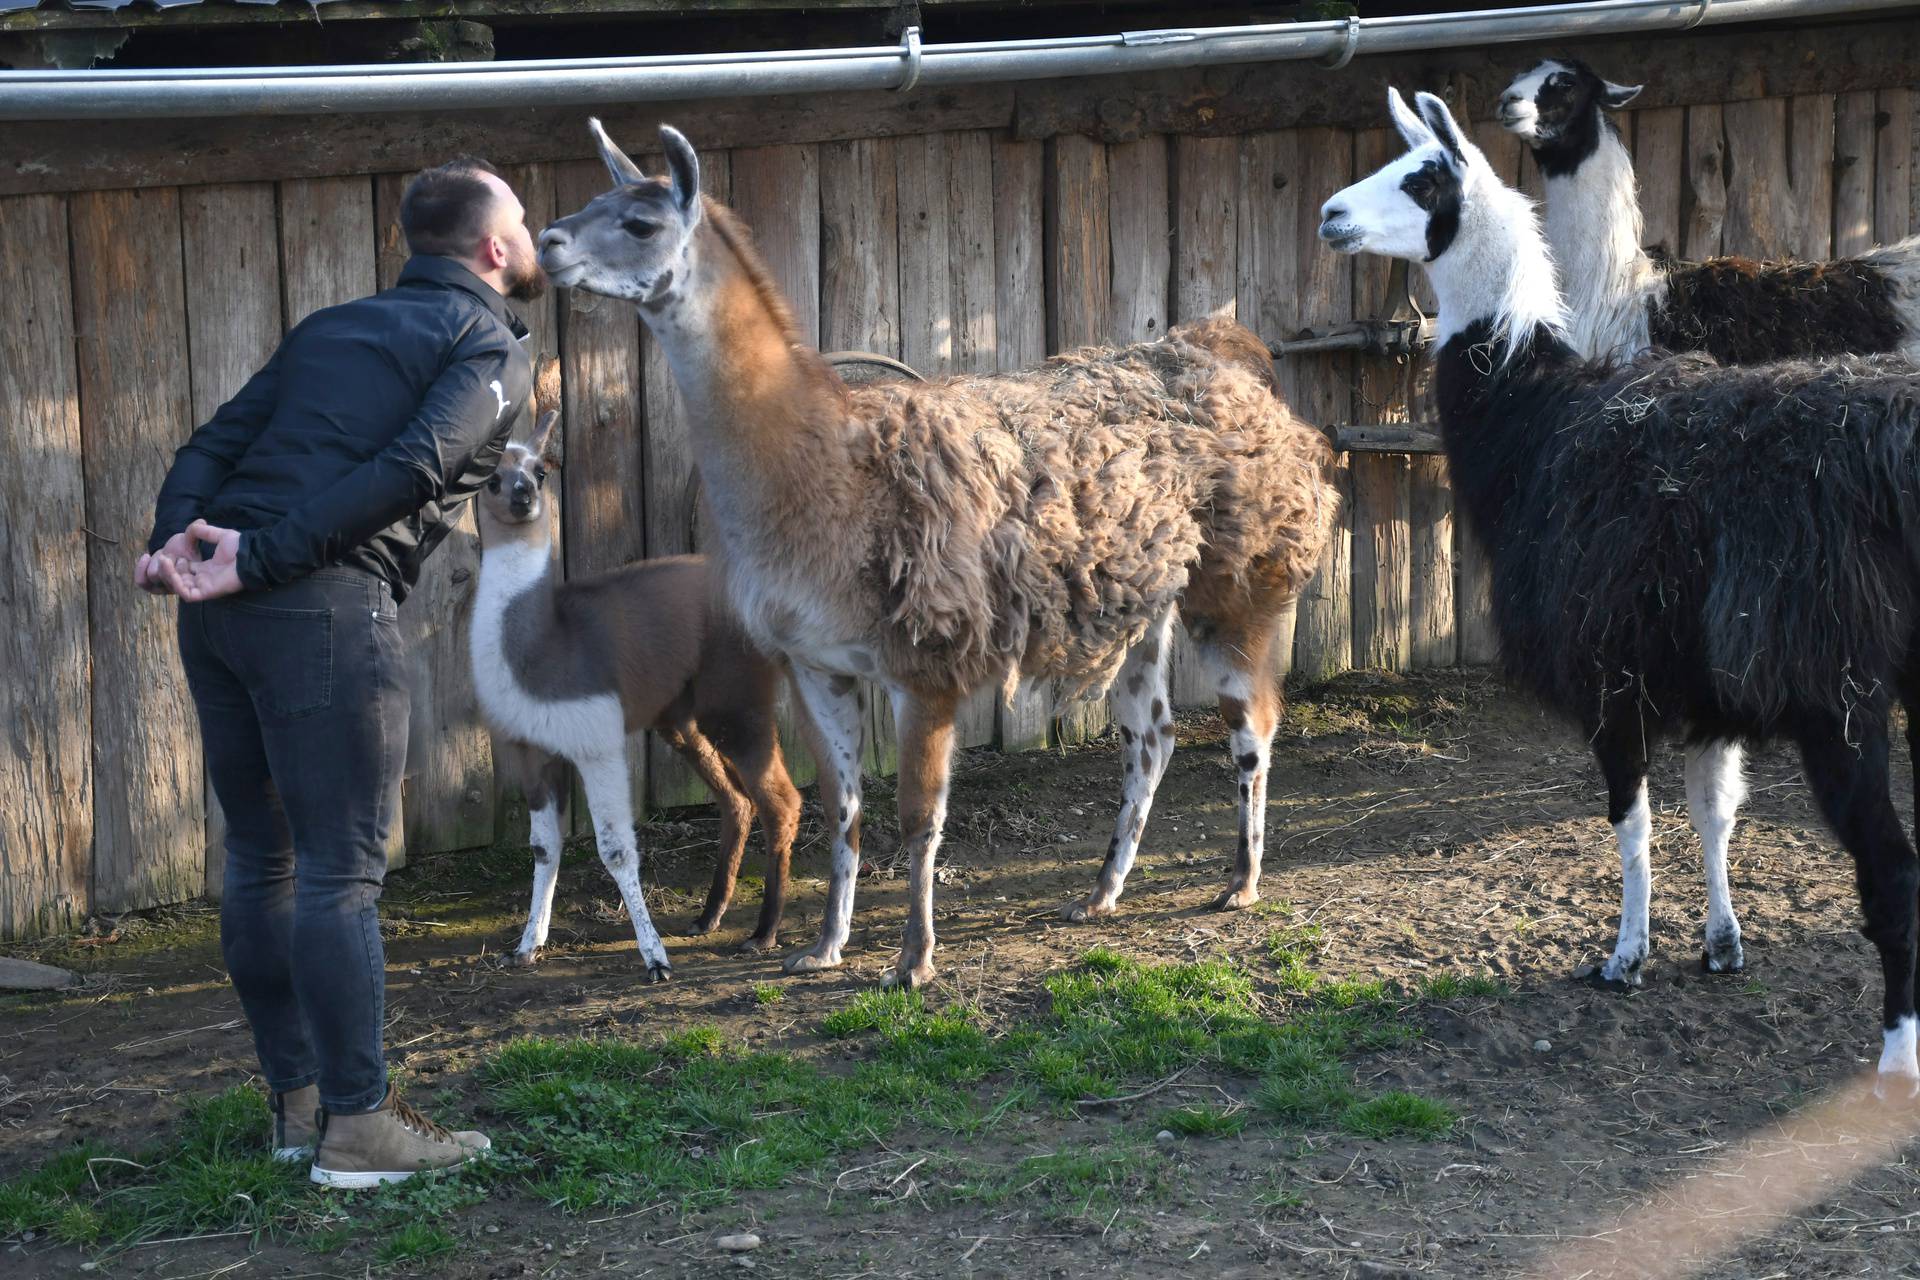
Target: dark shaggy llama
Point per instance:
(1678, 548)
(1621, 298)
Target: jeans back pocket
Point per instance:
(284, 656)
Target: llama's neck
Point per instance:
(1594, 228)
(1498, 272)
(516, 587)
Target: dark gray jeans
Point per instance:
(303, 712)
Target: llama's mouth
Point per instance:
(1342, 237)
(563, 275)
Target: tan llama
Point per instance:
(942, 536)
(565, 671)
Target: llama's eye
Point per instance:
(493, 483)
(640, 228)
(539, 475)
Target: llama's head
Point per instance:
(633, 241)
(1443, 205)
(515, 493)
(1559, 99)
(1412, 207)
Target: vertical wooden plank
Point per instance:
(1382, 482)
(1079, 279)
(1323, 637)
(1761, 219)
(1141, 241)
(1893, 165)
(1206, 261)
(1432, 632)
(1706, 182)
(1853, 155)
(1020, 339)
(231, 253)
(130, 316)
(1478, 642)
(46, 824)
(1810, 138)
(602, 487)
(972, 342)
(448, 795)
(1267, 287)
(672, 491)
(326, 243)
(1659, 142)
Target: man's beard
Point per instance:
(525, 280)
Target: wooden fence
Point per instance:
(138, 308)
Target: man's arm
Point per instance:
(211, 453)
(463, 411)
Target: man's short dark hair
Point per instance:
(444, 210)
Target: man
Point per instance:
(291, 526)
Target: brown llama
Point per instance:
(565, 671)
(944, 536)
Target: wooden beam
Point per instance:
(85, 155)
(1401, 437)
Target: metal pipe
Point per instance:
(52, 95)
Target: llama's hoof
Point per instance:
(1236, 899)
(525, 958)
(812, 960)
(1615, 975)
(757, 944)
(1896, 1088)
(1723, 956)
(659, 972)
(908, 978)
(709, 921)
(1088, 908)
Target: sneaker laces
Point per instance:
(418, 1122)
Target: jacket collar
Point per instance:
(426, 268)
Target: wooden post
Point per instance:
(46, 823)
(672, 489)
(1266, 297)
(1893, 165)
(1206, 282)
(1853, 156)
(1706, 182)
(1323, 639)
(231, 251)
(129, 307)
(1762, 219)
(1382, 482)
(1659, 145)
(1020, 339)
(1810, 128)
(602, 489)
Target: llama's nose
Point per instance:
(1332, 214)
(1508, 100)
(554, 236)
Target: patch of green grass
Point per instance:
(1455, 986)
(1398, 1115)
(1195, 1121)
(1070, 1182)
(765, 993)
(413, 1243)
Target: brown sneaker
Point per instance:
(295, 1122)
(388, 1144)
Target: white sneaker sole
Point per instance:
(355, 1181)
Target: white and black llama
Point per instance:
(566, 671)
(1620, 299)
(1724, 554)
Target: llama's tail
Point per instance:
(1898, 265)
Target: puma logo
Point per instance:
(499, 393)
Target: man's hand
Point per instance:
(162, 572)
(217, 576)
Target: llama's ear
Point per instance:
(1411, 126)
(1440, 121)
(1615, 96)
(543, 434)
(622, 169)
(684, 165)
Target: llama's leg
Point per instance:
(837, 711)
(542, 779)
(925, 729)
(1622, 753)
(1146, 745)
(1849, 781)
(736, 819)
(1714, 791)
(763, 775)
(1250, 704)
(610, 796)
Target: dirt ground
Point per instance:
(1700, 1125)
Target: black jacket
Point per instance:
(371, 424)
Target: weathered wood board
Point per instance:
(46, 773)
(149, 835)
(1854, 147)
